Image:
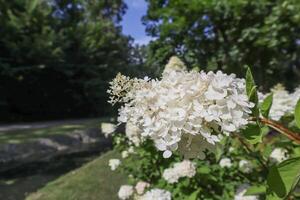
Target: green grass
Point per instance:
(93, 181)
(21, 136)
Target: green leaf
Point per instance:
(283, 178)
(297, 114)
(194, 195)
(203, 170)
(252, 133)
(255, 190)
(31, 5)
(249, 82)
(266, 105)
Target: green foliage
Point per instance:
(226, 35)
(255, 190)
(253, 133)
(252, 92)
(297, 114)
(266, 105)
(57, 57)
(282, 179)
(250, 83)
(147, 164)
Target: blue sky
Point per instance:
(132, 24)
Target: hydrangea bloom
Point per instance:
(174, 64)
(141, 186)
(245, 166)
(125, 154)
(184, 107)
(240, 193)
(278, 155)
(157, 194)
(107, 128)
(283, 103)
(185, 168)
(133, 134)
(114, 164)
(225, 162)
(125, 192)
(296, 95)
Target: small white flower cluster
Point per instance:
(156, 194)
(127, 152)
(225, 162)
(185, 168)
(240, 193)
(283, 101)
(141, 186)
(246, 166)
(107, 128)
(114, 164)
(125, 192)
(278, 155)
(122, 88)
(185, 106)
(138, 192)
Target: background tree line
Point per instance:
(57, 56)
(228, 35)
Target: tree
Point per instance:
(57, 56)
(228, 35)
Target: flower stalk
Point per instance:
(281, 129)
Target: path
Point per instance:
(37, 125)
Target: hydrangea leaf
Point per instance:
(283, 178)
(249, 82)
(253, 133)
(254, 99)
(255, 190)
(32, 5)
(266, 105)
(297, 114)
(194, 195)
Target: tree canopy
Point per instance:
(229, 35)
(57, 56)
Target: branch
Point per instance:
(250, 152)
(281, 129)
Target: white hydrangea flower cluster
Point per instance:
(283, 102)
(122, 88)
(125, 192)
(241, 191)
(133, 133)
(186, 106)
(174, 64)
(246, 166)
(114, 164)
(137, 192)
(296, 95)
(141, 186)
(225, 162)
(278, 155)
(156, 194)
(107, 128)
(185, 168)
(127, 152)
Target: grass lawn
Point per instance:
(93, 181)
(20, 136)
